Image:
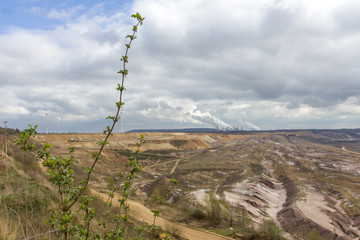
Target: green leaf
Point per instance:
(125, 59)
(108, 129)
(123, 72)
(120, 88)
(132, 37)
(71, 149)
(156, 213)
(103, 143)
(119, 104)
(138, 17)
(174, 181)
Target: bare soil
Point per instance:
(303, 180)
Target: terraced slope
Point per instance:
(302, 180)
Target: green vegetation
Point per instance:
(269, 231)
(256, 168)
(178, 143)
(198, 214)
(314, 235)
(24, 200)
(215, 210)
(148, 155)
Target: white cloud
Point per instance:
(263, 64)
(35, 10)
(13, 110)
(65, 14)
(251, 126)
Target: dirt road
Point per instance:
(175, 166)
(344, 149)
(143, 214)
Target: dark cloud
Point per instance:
(347, 18)
(277, 22)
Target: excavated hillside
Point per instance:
(304, 181)
(113, 161)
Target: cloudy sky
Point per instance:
(256, 64)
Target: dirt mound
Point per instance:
(294, 220)
(258, 195)
(155, 141)
(112, 161)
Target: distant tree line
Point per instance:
(10, 131)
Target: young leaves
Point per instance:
(138, 17)
(119, 104)
(72, 194)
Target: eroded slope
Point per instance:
(301, 182)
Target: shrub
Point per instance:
(214, 208)
(270, 231)
(314, 235)
(75, 213)
(198, 214)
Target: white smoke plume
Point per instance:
(189, 114)
(208, 118)
(251, 126)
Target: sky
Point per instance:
(250, 64)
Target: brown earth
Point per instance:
(292, 219)
(296, 179)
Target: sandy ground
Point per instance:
(155, 141)
(271, 199)
(313, 208)
(245, 192)
(199, 196)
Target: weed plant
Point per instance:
(77, 217)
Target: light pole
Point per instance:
(122, 121)
(47, 126)
(2, 153)
(5, 151)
